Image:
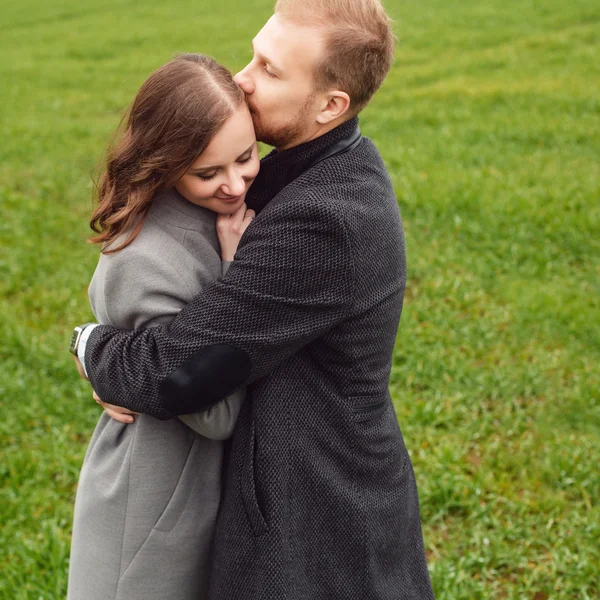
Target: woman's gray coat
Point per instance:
(149, 492)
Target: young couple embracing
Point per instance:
(248, 311)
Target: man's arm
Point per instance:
(291, 281)
(137, 288)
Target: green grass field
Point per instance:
(490, 126)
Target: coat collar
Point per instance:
(172, 206)
(279, 169)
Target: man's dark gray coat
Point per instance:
(320, 500)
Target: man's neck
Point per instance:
(315, 132)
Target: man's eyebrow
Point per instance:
(260, 55)
(199, 169)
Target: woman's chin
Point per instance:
(229, 208)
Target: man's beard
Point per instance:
(283, 136)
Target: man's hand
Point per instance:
(118, 413)
(80, 369)
(230, 229)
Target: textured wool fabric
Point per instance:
(320, 499)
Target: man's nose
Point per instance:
(244, 81)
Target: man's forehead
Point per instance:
(287, 44)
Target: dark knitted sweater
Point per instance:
(320, 500)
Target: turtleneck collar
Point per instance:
(279, 169)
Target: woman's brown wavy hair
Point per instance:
(173, 118)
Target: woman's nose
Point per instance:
(235, 186)
(244, 81)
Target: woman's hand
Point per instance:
(230, 229)
(80, 368)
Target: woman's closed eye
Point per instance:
(246, 158)
(206, 177)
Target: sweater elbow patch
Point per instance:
(204, 379)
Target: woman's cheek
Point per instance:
(203, 189)
(255, 168)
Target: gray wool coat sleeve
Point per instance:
(292, 280)
(144, 292)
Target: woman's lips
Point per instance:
(231, 199)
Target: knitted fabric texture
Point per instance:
(320, 500)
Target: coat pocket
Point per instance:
(248, 486)
(365, 408)
(176, 505)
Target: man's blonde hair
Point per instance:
(359, 44)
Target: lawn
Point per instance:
(490, 125)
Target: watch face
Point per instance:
(74, 339)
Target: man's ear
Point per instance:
(335, 105)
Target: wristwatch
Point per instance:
(76, 337)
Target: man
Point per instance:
(320, 500)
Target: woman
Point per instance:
(149, 492)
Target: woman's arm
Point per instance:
(218, 422)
